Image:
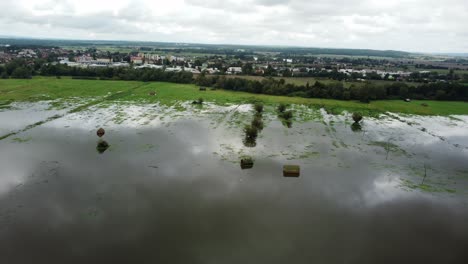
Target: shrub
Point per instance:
(281, 108)
(357, 117)
(251, 132)
(257, 123)
(198, 102)
(21, 73)
(258, 107)
(287, 115)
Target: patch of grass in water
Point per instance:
(57, 105)
(454, 118)
(405, 183)
(7, 135)
(462, 173)
(417, 171)
(5, 104)
(167, 93)
(390, 147)
(22, 140)
(179, 107)
(40, 97)
(119, 118)
(147, 147)
(343, 144)
(307, 155)
(335, 144)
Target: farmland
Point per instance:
(40, 89)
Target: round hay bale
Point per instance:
(101, 132)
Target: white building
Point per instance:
(212, 70)
(234, 70)
(149, 66)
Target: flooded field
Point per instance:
(170, 188)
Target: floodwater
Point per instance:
(170, 188)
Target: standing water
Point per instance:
(170, 189)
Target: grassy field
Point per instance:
(312, 80)
(440, 71)
(169, 93)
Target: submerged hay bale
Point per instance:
(247, 163)
(291, 171)
(100, 132)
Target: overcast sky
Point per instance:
(410, 25)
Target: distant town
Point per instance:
(343, 74)
(412, 68)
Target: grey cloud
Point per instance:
(416, 25)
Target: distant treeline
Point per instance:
(345, 52)
(201, 48)
(18, 70)
(366, 92)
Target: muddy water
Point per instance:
(170, 189)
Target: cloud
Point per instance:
(413, 25)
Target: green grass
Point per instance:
(21, 140)
(39, 89)
(169, 93)
(312, 80)
(293, 80)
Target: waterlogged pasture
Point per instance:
(170, 187)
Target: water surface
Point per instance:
(170, 189)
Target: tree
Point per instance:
(465, 78)
(21, 73)
(287, 73)
(247, 69)
(270, 71)
(258, 107)
(441, 95)
(364, 94)
(281, 108)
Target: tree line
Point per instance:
(337, 90)
(366, 92)
(20, 69)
